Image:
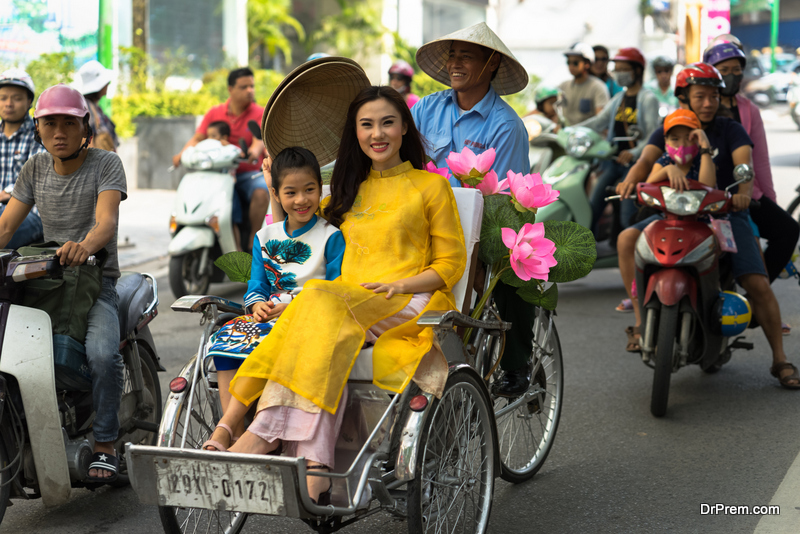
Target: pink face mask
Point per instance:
(683, 155)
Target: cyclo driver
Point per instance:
(78, 190)
(698, 89)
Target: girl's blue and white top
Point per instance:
(283, 262)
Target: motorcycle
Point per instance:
(679, 280)
(201, 225)
(569, 174)
(46, 409)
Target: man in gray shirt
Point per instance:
(78, 191)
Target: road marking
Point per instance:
(788, 498)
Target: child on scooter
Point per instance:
(685, 140)
(285, 256)
(220, 131)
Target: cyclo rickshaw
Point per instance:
(430, 461)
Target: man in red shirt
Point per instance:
(237, 111)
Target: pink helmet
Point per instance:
(61, 100)
(403, 68)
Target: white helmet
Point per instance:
(94, 76)
(583, 50)
(19, 78)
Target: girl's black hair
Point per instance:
(353, 165)
(294, 157)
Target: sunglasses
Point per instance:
(574, 62)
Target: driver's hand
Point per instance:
(73, 254)
(176, 160)
(676, 178)
(624, 157)
(626, 188)
(741, 202)
(254, 153)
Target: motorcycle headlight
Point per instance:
(578, 143)
(683, 202)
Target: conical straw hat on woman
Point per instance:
(511, 75)
(309, 107)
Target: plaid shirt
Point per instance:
(16, 150)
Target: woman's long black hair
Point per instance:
(353, 165)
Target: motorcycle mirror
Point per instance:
(742, 174)
(243, 145)
(254, 129)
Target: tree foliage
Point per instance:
(356, 31)
(267, 24)
(51, 69)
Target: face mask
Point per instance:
(732, 82)
(624, 79)
(683, 155)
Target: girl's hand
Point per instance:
(676, 178)
(266, 168)
(700, 137)
(390, 289)
(741, 202)
(261, 310)
(276, 310)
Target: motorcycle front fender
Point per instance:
(191, 238)
(27, 355)
(671, 285)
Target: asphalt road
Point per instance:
(728, 438)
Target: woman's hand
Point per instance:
(676, 178)
(390, 289)
(700, 137)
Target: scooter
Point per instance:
(569, 174)
(793, 97)
(201, 224)
(543, 145)
(679, 279)
(45, 387)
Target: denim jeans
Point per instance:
(105, 361)
(30, 231)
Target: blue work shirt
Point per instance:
(491, 123)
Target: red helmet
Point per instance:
(631, 55)
(61, 100)
(699, 74)
(403, 68)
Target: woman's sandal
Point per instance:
(786, 329)
(785, 381)
(324, 498)
(626, 306)
(634, 339)
(217, 446)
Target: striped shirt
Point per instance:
(16, 150)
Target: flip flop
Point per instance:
(626, 306)
(106, 462)
(219, 447)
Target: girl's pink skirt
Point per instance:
(314, 435)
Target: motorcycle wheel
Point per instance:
(5, 481)
(152, 398)
(185, 277)
(204, 416)
(665, 349)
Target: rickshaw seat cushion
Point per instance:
(135, 294)
(470, 211)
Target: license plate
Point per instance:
(220, 486)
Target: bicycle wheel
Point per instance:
(452, 490)
(204, 415)
(527, 425)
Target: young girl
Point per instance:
(404, 253)
(285, 256)
(685, 140)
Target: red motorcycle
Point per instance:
(680, 281)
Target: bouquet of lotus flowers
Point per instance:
(531, 256)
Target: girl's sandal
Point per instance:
(217, 446)
(634, 339)
(786, 381)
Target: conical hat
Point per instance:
(309, 107)
(511, 75)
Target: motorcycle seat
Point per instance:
(135, 295)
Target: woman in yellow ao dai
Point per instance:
(403, 239)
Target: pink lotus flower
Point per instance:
(431, 167)
(490, 186)
(529, 193)
(469, 168)
(531, 252)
